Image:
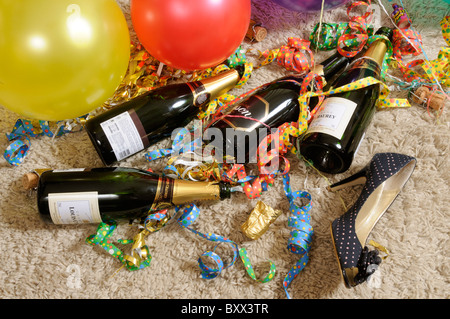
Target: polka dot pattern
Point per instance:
(300, 239)
(295, 56)
(140, 257)
(20, 135)
(409, 42)
(237, 58)
(188, 216)
(347, 244)
(445, 26)
(249, 268)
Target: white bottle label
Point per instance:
(123, 135)
(74, 208)
(68, 170)
(332, 117)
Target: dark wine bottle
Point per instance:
(272, 105)
(337, 129)
(141, 122)
(94, 195)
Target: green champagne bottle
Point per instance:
(141, 122)
(78, 196)
(337, 129)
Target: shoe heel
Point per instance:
(356, 179)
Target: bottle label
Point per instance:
(164, 194)
(126, 134)
(172, 192)
(201, 96)
(333, 117)
(256, 109)
(69, 170)
(74, 208)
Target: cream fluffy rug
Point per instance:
(48, 261)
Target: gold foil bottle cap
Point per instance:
(259, 220)
(221, 83)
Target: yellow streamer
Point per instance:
(383, 100)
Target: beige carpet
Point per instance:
(48, 261)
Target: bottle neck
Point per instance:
(333, 65)
(213, 87)
(377, 51)
(179, 192)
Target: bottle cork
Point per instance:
(424, 96)
(256, 32)
(30, 180)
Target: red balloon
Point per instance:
(191, 34)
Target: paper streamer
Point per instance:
(300, 239)
(188, 216)
(179, 146)
(140, 254)
(295, 56)
(20, 135)
(249, 268)
(383, 100)
(237, 58)
(353, 34)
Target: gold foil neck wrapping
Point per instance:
(189, 191)
(259, 220)
(377, 51)
(221, 83)
(318, 69)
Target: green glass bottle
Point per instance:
(78, 196)
(337, 129)
(141, 122)
(272, 105)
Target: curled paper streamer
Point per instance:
(140, 254)
(300, 239)
(189, 215)
(253, 186)
(141, 76)
(238, 58)
(259, 220)
(179, 145)
(439, 68)
(295, 56)
(249, 268)
(20, 135)
(182, 163)
(353, 34)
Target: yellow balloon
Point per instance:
(61, 59)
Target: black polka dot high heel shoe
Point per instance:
(383, 179)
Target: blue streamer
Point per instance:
(301, 237)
